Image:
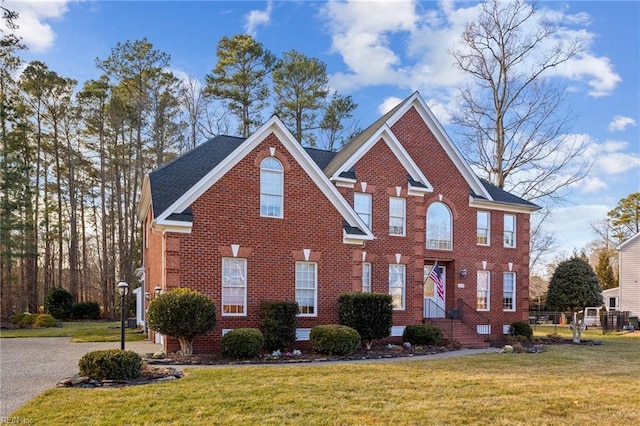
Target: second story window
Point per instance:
(509, 230)
(271, 187)
(362, 206)
(484, 218)
(397, 218)
(439, 227)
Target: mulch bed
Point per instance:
(376, 352)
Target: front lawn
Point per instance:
(79, 331)
(566, 384)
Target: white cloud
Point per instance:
(33, 14)
(572, 225)
(258, 17)
(388, 104)
(408, 44)
(620, 122)
(612, 157)
(361, 35)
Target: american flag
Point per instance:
(436, 276)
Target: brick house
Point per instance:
(263, 218)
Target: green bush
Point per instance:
(521, 328)
(334, 339)
(58, 303)
(370, 314)
(422, 334)
(85, 310)
(111, 364)
(182, 313)
(242, 343)
(45, 321)
(278, 322)
(23, 319)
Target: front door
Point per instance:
(434, 293)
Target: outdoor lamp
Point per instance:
(157, 289)
(463, 273)
(123, 290)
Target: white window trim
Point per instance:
(404, 217)
(439, 243)
(281, 195)
(488, 308)
(366, 278)
(315, 289)
(404, 285)
(244, 308)
(504, 231)
(488, 228)
(513, 297)
(369, 198)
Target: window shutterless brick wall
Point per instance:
(229, 214)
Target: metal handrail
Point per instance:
(470, 316)
(438, 309)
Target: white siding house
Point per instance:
(629, 259)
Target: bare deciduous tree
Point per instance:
(511, 116)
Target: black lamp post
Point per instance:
(123, 290)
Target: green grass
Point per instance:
(84, 331)
(566, 384)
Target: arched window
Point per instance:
(439, 227)
(271, 187)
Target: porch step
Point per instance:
(458, 331)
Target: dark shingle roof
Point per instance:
(501, 196)
(321, 157)
(171, 181)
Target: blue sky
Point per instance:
(379, 53)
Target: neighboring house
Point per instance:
(263, 218)
(629, 278)
(611, 299)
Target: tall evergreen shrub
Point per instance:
(278, 322)
(370, 314)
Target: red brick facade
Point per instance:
(226, 223)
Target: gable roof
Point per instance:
(629, 241)
(175, 186)
(172, 180)
(480, 191)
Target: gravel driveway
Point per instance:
(29, 366)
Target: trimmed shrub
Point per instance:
(45, 321)
(85, 310)
(242, 343)
(58, 303)
(422, 334)
(334, 339)
(182, 313)
(370, 314)
(521, 328)
(23, 319)
(111, 364)
(278, 322)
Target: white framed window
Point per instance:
(366, 277)
(271, 188)
(439, 227)
(509, 291)
(307, 288)
(397, 216)
(397, 285)
(509, 230)
(483, 230)
(234, 287)
(362, 206)
(483, 290)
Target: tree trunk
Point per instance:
(186, 345)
